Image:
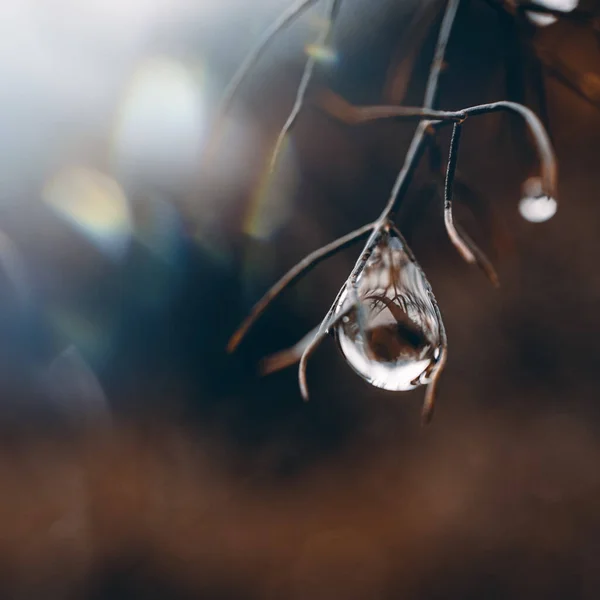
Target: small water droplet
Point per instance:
(535, 206)
(402, 332)
(538, 210)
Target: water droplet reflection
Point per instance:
(535, 206)
(402, 332)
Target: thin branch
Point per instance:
(540, 136)
(430, 121)
(431, 391)
(331, 318)
(536, 128)
(417, 144)
(341, 110)
(288, 16)
(465, 246)
(322, 40)
(330, 321)
(440, 53)
(288, 357)
(410, 46)
(301, 269)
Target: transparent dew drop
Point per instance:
(402, 334)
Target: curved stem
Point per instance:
(540, 136)
(288, 357)
(465, 246)
(330, 321)
(431, 391)
(301, 269)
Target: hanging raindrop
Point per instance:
(396, 336)
(535, 206)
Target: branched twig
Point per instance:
(302, 268)
(416, 147)
(429, 121)
(542, 141)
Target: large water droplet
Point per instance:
(402, 334)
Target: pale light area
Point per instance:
(543, 20)
(161, 125)
(322, 54)
(93, 204)
(13, 267)
(535, 206)
(64, 64)
(538, 210)
(272, 202)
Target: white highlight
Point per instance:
(538, 210)
(542, 20)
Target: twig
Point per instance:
(330, 321)
(288, 16)
(540, 136)
(432, 387)
(536, 128)
(288, 357)
(465, 246)
(430, 121)
(415, 148)
(302, 268)
(341, 110)
(410, 45)
(322, 40)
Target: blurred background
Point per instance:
(138, 459)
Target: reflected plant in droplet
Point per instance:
(402, 333)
